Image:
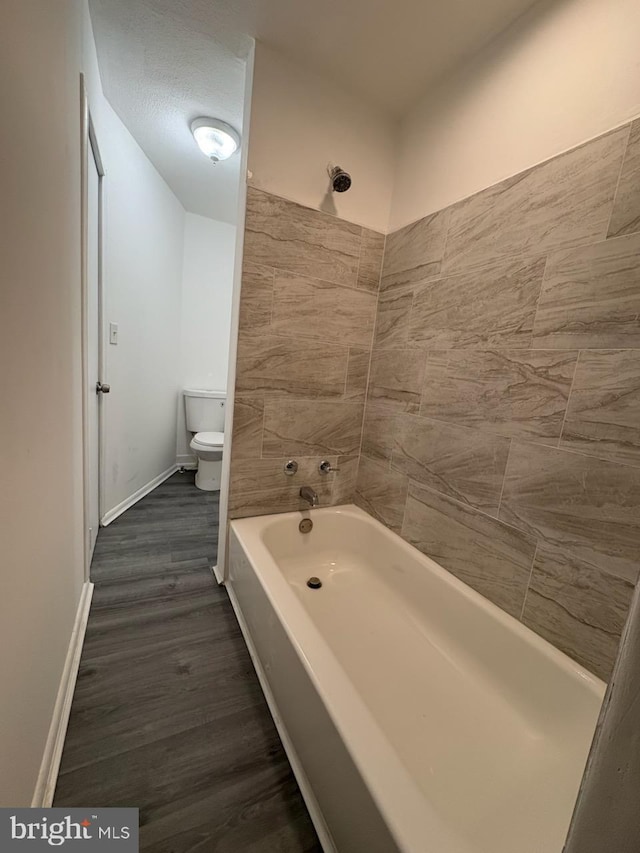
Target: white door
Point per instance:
(93, 344)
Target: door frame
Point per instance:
(220, 569)
(89, 145)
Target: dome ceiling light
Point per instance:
(216, 139)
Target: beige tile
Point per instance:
(394, 308)
(392, 321)
(405, 281)
(371, 254)
(256, 297)
(604, 410)
(485, 308)
(587, 506)
(312, 428)
(378, 433)
(280, 366)
(515, 393)
(381, 492)
(626, 208)
(282, 234)
(396, 379)
(591, 297)
(357, 374)
(464, 464)
(563, 202)
(491, 557)
(577, 607)
(309, 308)
(345, 479)
(419, 246)
(260, 486)
(275, 500)
(248, 417)
(256, 475)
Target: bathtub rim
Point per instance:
(407, 814)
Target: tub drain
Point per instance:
(314, 583)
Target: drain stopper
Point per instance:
(314, 583)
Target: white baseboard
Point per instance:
(48, 775)
(218, 575)
(110, 516)
(187, 461)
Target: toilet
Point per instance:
(204, 415)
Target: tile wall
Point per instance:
(502, 425)
(307, 315)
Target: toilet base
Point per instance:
(208, 475)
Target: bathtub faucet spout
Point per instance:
(308, 494)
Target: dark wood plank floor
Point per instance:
(168, 714)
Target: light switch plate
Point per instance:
(113, 333)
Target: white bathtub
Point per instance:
(417, 716)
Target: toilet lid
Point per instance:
(209, 439)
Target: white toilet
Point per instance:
(205, 412)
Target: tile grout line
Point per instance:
(528, 587)
(539, 299)
(404, 508)
(584, 455)
(373, 339)
(273, 298)
(575, 452)
(513, 257)
(519, 351)
(566, 411)
(317, 279)
(449, 208)
(264, 421)
(504, 479)
(359, 258)
(440, 275)
(346, 375)
(618, 182)
(428, 355)
(471, 508)
(456, 425)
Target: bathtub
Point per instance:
(417, 716)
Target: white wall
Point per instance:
(207, 287)
(300, 123)
(41, 568)
(144, 230)
(567, 72)
(143, 240)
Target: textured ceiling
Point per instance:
(164, 62)
(158, 75)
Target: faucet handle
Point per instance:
(325, 467)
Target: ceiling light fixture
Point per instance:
(216, 139)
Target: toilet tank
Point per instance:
(204, 410)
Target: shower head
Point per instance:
(340, 180)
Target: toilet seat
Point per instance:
(208, 440)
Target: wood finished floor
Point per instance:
(167, 713)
